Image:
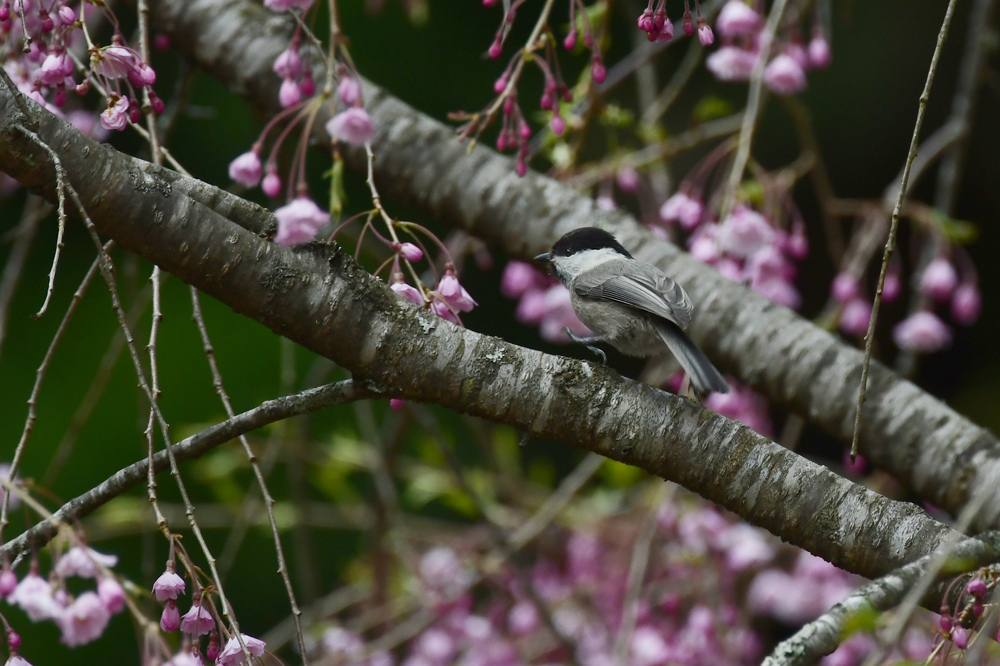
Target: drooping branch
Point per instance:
(319, 297)
(935, 451)
(187, 449)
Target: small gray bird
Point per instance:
(629, 304)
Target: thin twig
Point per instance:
(197, 445)
(220, 389)
(29, 422)
(890, 244)
(754, 98)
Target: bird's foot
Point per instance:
(587, 343)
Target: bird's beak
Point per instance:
(544, 256)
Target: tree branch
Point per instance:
(938, 453)
(319, 297)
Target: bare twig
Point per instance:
(192, 447)
(890, 244)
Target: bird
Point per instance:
(629, 304)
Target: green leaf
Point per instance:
(961, 232)
(710, 108)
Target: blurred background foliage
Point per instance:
(863, 108)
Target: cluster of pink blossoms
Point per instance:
(659, 28)
(741, 28)
(712, 582)
(923, 331)
(301, 219)
(198, 621)
(81, 618)
(48, 69)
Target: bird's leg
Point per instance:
(587, 342)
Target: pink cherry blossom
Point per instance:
(845, 288)
(353, 126)
(111, 594)
(84, 620)
(115, 117)
(784, 75)
(745, 232)
(409, 293)
(185, 659)
(939, 279)
(731, 63)
(737, 19)
(246, 169)
(855, 317)
(518, 277)
(83, 562)
(8, 580)
(683, 208)
(922, 332)
(299, 221)
(232, 654)
(287, 5)
(198, 621)
(454, 293)
(34, 595)
(168, 586)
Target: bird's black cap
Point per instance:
(587, 238)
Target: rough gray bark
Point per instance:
(938, 453)
(319, 297)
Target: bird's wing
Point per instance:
(637, 285)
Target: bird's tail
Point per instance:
(704, 376)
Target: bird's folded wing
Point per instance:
(645, 288)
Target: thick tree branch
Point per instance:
(931, 448)
(319, 297)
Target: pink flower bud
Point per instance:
(495, 49)
(289, 94)
(299, 221)
(819, 51)
(557, 124)
(272, 182)
(976, 587)
(170, 619)
(627, 179)
(307, 86)
(500, 84)
(570, 42)
(845, 288)
(288, 64)
(892, 287)
(349, 90)
(410, 252)
(598, 72)
(855, 317)
(966, 304)
(161, 41)
(960, 637)
(406, 291)
(705, 35)
(396, 403)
